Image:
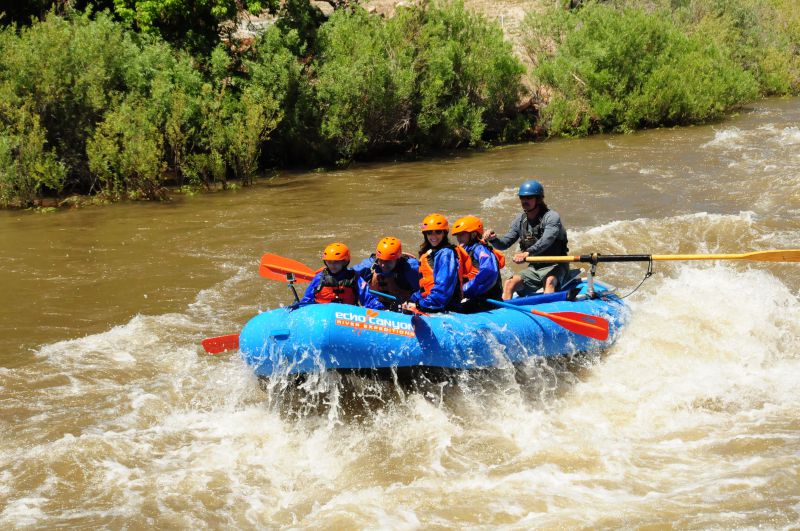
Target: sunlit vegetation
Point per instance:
(624, 65)
(120, 99)
(101, 103)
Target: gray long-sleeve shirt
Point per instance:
(552, 241)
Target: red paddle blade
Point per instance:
(580, 323)
(219, 344)
(276, 267)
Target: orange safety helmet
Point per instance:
(469, 224)
(435, 222)
(336, 251)
(389, 248)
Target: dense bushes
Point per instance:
(618, 66)
(437, 78)
(26, 165)
(763, 36)
(622, 69)
(110, 111)
(101, 103)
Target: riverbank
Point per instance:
(319, 92)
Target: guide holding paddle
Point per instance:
(338, 283)
(540, 232)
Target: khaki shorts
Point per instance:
(533, 278)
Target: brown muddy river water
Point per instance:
(112, 416)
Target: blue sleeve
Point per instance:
(487, 273)
(445, 280)
(308, 297)
(411, 273)
(367, 299)
(501, 243)
(364, 265)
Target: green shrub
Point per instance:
(125, 153)
(267, 92)
(249, 120)
(755, 37)
(435, 76)
(622, 69)
(759, 35)
(364, 84)
(190, 24)
(26, 166)
(469, 78)
(69, 72)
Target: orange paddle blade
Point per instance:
(580, 323)
(219, 344)
(276, 267)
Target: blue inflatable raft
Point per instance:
(320, 337)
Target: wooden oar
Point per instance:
(219, 344)
(780, 255)
(276, 267)
(579, 323)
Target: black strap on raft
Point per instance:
(646, 276)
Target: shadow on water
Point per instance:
(355, 395)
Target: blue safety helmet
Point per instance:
(530, 188)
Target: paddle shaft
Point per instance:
(384, 295)
(583, 325)
(781, 255)
(541, 314)
(393, 298)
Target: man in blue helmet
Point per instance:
(540, 233)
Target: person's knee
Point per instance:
(509, 286)
(550, 284)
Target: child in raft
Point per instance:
(338, 283)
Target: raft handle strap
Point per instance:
(646, 276)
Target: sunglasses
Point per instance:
(435, 231)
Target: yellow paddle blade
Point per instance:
(781, 255)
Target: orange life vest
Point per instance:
(388, 284)
(426, 280)
(344, 291)
(473, 264)
(496, 291)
